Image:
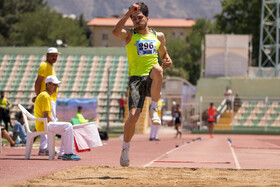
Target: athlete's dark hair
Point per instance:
(143, 8)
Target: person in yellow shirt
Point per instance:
(143, 46)
(5, 106)
(46, 69)
(80, 116)
(42, 109)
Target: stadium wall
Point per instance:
(244, 87)
(66, 51)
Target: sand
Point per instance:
(160, 177)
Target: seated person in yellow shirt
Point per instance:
(103, 135)
(42, 109)
(80, 116)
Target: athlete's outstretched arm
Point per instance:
(119, 30)
(164, 57)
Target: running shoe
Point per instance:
(154, 117)
(70, 157)
(43, 152)
(124, 160)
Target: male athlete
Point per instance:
(143, 46)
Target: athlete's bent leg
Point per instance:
(157, 76)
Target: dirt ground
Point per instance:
(141, 176)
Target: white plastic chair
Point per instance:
(31, 135)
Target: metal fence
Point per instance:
(246, 113)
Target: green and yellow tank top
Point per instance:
(3, 102)
(142, 53)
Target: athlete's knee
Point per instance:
(157, 72)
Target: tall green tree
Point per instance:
(10, 13)
(195, 40)
(34, 23)
(241, 17)
(177, 51)
(44, 27)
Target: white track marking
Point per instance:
(150, 163)
(234, 157)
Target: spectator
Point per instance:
(80, 116)
(122, 102)
(178, 120)
(211, 119)
(228, 95)
(43, 108)
(173, 108)
(46, 69)
(237, 102)
(19, 133)
(5, 106)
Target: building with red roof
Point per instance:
(102, 28)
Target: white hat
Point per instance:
(52, 50)
(53, 79)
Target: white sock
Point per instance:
(152, 130)
(125, 145)
(154, 104)
(156, 131)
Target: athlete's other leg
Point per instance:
(129, 126)
(129, 129)
(157, 76)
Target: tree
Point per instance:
(177, 51)
(241, 17)
(11, 11)
(195, 40)
(44, 27)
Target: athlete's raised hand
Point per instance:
(134, 8)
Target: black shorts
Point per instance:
(139, 88)
(228, 103)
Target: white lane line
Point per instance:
(164, 154)
(234, 156)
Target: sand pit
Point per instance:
(141, 176)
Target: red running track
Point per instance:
(191, 151)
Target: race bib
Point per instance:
(146, 47)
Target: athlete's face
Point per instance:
(139, 20)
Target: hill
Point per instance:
(158, 9)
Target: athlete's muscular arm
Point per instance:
(119, 31)
(165, 58)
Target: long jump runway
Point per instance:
(190, 151)
(224, 151)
